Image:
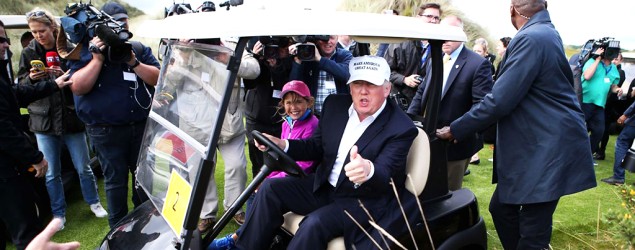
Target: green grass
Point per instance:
(575, 223)
(575, 220)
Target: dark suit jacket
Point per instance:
(385, 143)
(542, 148)
(470, 79)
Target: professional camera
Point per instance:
(304, 51)
(610, 45)
(83, 22)
(271, 44)
(208, 6)
(178, 9)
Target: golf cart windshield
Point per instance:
(184, 113)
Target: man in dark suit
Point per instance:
(542, 147)
(467, 79)
(362, 142)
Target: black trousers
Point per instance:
(255, 155)
(325, 219)
(19, 212)
(526, 226)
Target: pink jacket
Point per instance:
(300, 130)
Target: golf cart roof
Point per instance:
(363, 27)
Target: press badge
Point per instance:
(607, 80)
(129, 76)
(329, 84)
(276, 94)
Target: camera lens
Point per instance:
(305, 52)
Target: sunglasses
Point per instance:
(38, 13)
(5, 40)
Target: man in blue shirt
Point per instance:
(114, 100)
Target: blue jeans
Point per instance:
(51, 147)
(623, 142)
(594, 118)
(117, 150)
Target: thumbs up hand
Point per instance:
(358, 169)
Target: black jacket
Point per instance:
(54, 114)
(16, 152)
(260, 104)
(404, 60)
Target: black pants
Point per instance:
(18, 211)
(526, 226)
(325, 218)
(255, 155)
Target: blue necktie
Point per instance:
(424, 57)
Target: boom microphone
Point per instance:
(107, 35)
(52, 59)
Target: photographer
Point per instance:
(327, 73)
(263, 93)
(599, 76)
(113, 100)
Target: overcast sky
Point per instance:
(577, 21)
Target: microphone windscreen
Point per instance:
(52, 59)
(107, 35)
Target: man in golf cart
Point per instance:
(362, 141)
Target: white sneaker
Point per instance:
(63, 222)
(98, 210)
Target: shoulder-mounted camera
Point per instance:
(83, 22)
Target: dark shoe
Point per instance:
(206, 224)
(476, 162)
(226, 242)
(598, 156)
(239, 218)
(467, 172)
(613, 181)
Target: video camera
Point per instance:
(83, 22)
(306, 52)
(610, 45)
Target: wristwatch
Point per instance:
(136, 63)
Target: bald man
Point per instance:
(542, 148)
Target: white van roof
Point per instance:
(363, 27)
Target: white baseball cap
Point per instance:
(373, 69)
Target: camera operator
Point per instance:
(263, 94)
(599, 76)
(113, 100)
(327, 73)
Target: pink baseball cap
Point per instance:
(299, 87)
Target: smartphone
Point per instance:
(38, 65)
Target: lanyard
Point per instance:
(605, 69)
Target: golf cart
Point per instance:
(176, 162)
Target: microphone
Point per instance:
(52, 59)
(107, 35)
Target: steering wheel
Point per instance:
(278, 157)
